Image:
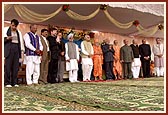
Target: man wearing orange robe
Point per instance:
(117, 69)
(97, 60)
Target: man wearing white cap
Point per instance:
(87, 53)
(72, 58)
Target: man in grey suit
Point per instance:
(126, 57)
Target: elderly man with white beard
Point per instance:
(72, 58)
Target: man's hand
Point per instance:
(22, 58)
(62, 53)
(38, 52)
(58, 39)
(110, 47)
(160, 55)
(121, 61)
(90, 56)
(41, 53)
(68, 60)
(9, 38)
(146, 58)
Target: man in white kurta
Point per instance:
(158, 51)
(33, 55)
(72, 58)
(87, 53)
(136, 64)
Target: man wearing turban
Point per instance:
(72, 58)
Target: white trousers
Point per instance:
(87, 69)
(135, 71)
(159, 71)
(32, 69)
(73, 75)
(136, 67)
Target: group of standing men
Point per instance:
(47, 56)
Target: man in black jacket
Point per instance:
(145, 53)
(108, 53)
(54, 50)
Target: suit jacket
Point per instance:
(54, 47)
(7, 43)
(126, 53)
(144, 50)
(46, 54)
(107, 53)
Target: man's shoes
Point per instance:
(29, 84)
(8, 86)
(36, 84)
(16, 85)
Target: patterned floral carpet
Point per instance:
(122, 95)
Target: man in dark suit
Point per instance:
(145, 53)
(13, 50)
(55, 52)
(108, 53)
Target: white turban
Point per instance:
(70, 35)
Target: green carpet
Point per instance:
(123, 95)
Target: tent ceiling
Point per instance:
(98, 23)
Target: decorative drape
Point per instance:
(33, 17)
(147, 32)
(7, 7)
(77, 16)
(118, 24)
(30, 16)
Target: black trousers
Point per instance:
(146, 68)
(52, 71)
(12, 65)
(109, 70)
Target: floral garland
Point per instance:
(160, 27)
(136, 23)
(65, 8)
(103, 7)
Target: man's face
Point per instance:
(71, 39)
(87, 37)
(144, 41)
(45, 33)
(59, 35)
(116, 42)
(135, 41)
(107, 41)
(54, 33)
(126, 42)
(158, 41)
(13, 27)
(33, 29)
